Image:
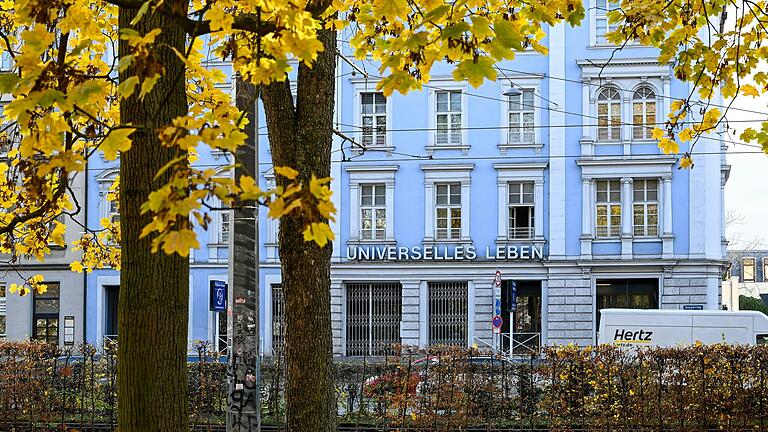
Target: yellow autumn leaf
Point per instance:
(278, 207)
(117, 140)
(686, 161)
(657, 133)
(685, 134)
(76, 266)
(287, 172)
(250, 190)
(668, 146)
(319, 188)
(749, 90)
(180, 242)
(320, 233)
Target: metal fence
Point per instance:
(44, 388)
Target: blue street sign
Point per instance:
(218, 296)
(513, 296)
(497, 307)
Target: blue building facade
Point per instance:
(547, 177)
(540, 198)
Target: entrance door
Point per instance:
(526, 316)
(626, 294)
(112, 296)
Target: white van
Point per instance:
(657, 327)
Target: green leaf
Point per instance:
(8, 82)
(475, 71)
(127, 87)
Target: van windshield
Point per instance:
(761, 339)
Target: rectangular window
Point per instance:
(747, 269)
(45, 314)
(2, 311)
(608, 208)
(521, 210)
(646, 208)
(374, 121)
(373, 318)
(448, 211)
(521, 118)
(278, 321)
(224, 227)
(602, 26)
(373, 212)
(765, 269)
(448, 313)
(448, 113)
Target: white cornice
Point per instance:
(372, 168)
(447, 167)
(520, 166)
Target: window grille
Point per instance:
(373, 318)
(608, 205)
(448, 113)
(646, 208)
(224, 227)
(521, 206)
(278, 320)
(521, 118)
(643, 113)
(609, 115)
(373, 212)
(2, 311)
(448, 308)
(374, 112)
(448, 211)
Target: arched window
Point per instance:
(609, 115)
(643, 113)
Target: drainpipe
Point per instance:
(85, 274)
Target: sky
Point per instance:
(746, 192)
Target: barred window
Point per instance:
(609, 115)
(278, 320)
(448, 113)
(521, 206)
(448, 308)
(224, 226)
(448, 211)
(646, 208)
(373, 212)
(521, 117)
(373, 318)
(2, 311)
(643, 113)
(608, 208)
(374, 117)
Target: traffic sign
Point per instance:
(497, 321)
(513, 296)
(497, 278)
(497, 307)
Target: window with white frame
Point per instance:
(2, 311)
(646, 207)
(224, 226)
(448, 112)
(374, 118)
(521, 118)
(765, 269)
(448, 211)
(609, 114)
(608, 208)
(373, 211)
(602, 24)
(643, 113)
(521, 210)
(747, 269)
(113, 213)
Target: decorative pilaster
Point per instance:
(538, 209)
(626, 218)
(587, 130)
(626, 127)
(667, 236)
(586, 218)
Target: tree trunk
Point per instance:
(154, 288)
(301, 138)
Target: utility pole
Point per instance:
(243, 368)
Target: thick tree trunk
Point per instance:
(154, 288)
(301, 138)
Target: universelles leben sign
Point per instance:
(443, 253)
